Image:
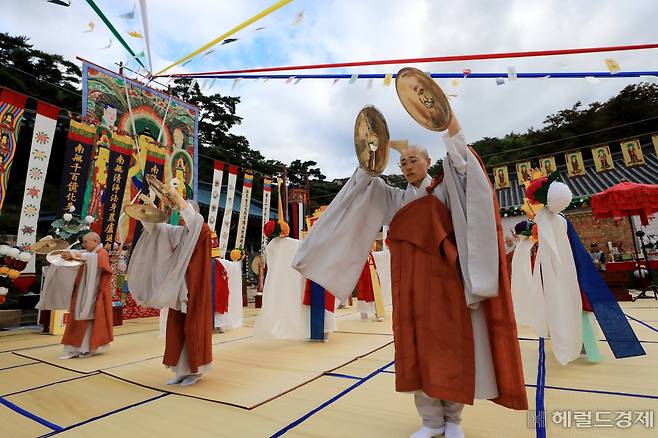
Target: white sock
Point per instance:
(191, 380)
(427, 432)
(176, 380)
(454, 431)
(69, 356)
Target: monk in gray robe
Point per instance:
(170, 268)
(453, 321)
(89, 328)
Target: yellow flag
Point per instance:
(135, 34)
(387, 79)
(613, 66)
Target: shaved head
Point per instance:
(92, 236)
(90, 241)
(415, 149)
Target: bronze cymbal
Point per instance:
(55, 258)
(371, 140)
(423, 99)
(160, 190)
(45, 246)
(145, 213)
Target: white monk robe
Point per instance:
(333, 251)
(283, 315)
(158, 276)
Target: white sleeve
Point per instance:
(457, 151)
(188, 214)
(390, 198)
(148, 227)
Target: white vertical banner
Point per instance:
(228, 210)
(267, 196)
(217, 176)
(42, 142)
(244, 210)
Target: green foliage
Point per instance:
(633, 103)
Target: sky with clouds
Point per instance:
(314, 119)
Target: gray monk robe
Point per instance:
(170, 267)
(332, 255)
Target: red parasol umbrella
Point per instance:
(626, 199)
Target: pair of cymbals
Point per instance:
(46, 246)
(424, 101)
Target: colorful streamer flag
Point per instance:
(228, 210)
(613, 66)
(135, 34)
(92, 26)
(109, 44)
(12, 107)
(244, 210)
(353, 78)
(298, 18)
(500, 81)
(112, 29)
(129, 15)
(466, 72)
(229, 41)
(511, 73)
(297, 81)
(454, 83)
(42, 142)
(235, 83)
(218, 175)
(267, 196)
(117, 176)
(387, 79)
(208, 53)
(77, 159)
(236, 29)
(65, 3)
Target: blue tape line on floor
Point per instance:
(642, 322)
(330, 401)
(29, 415)
(598, 391)
(98, 417)
(344, 376)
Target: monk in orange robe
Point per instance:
(453, 322)
(170, 268)
(89, 328)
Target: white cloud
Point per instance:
(314, 119)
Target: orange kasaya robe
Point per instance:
(194, 328)
(434, 346)
(364, 290)
(101, 332)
